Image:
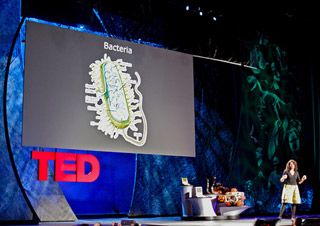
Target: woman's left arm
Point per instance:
(303, 179)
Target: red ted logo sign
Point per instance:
(61, 166)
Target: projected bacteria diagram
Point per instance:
(115, 98)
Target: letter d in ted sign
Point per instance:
(61, 166)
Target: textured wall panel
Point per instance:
(46, 197)
(13, 205)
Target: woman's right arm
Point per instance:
(284, 176)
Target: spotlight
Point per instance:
(187, 8)
(80, 26)
(214, 18)
(200, 13)
(307, 221)
(265, 222)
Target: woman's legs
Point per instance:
(282, 209)
(293, 211)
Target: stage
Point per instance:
(176, 221)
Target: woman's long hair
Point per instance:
(294, 163)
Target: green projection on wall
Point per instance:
(274, 93)
(271, 125)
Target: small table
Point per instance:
(204, 206)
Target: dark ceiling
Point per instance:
(293, 27)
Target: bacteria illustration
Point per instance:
(115, 98)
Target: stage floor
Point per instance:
(174, 221)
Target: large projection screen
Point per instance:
(89, 92)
